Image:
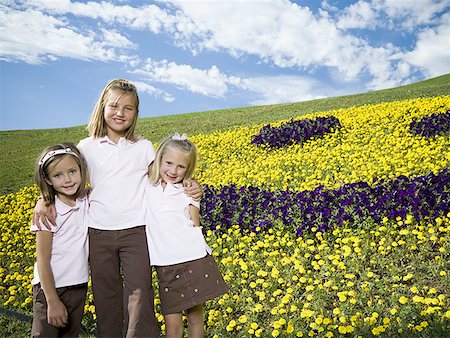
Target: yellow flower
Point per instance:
(378, 330)
(277, 324)
(345, 329)
(327, 321)
(243, 319)
(408, 277)
(290, 327)
(414, 289)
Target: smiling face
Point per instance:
(65, 177)
(120, 113)
(174, 165)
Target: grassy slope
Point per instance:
(20, 148)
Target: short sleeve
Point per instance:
(34, 228)
(194, 203)
(151, 153)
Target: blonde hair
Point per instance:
(51, 156)
(180, 144)
(97, 125)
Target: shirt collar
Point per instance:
(63, 209)
(106, 139)
(170, 185)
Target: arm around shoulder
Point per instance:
(44, 213)
(194, 190)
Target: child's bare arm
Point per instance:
(194, 212)
(56, 311)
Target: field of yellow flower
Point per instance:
(346, 233)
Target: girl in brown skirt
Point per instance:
(187, 274)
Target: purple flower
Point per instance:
(252, 207)
(295, 131)
(428, 126)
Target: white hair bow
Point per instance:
(177, 137)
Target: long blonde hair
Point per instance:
(182, 144)
(50, 156)
(97, 125)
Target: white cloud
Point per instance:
(115, 39)
(282, 89)
(410, 14)
(34, 37)
(359, 15)
(288, 36)
(291, 36)
(279, 33)
(147, 88)
(432, 51)
(148, 17)
(325, 5)
(388, 14)
(209, 82)
(276, 31)
(213, 83)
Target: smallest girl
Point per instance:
(61, 269)
(187, 274)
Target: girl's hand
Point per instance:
(194, 190)
(57, 313)
(45, 214)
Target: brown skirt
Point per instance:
(184, 285)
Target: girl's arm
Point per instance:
(44, 213)
(56, 310)
(194, 212)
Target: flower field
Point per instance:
(334, 224)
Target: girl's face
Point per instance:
(174, 164)
(65, 177)
(120, 112)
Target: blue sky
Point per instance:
(188, 56)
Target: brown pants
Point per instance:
(124, 305)
(73, 297)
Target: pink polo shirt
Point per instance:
(118, 176)
(69, 258)
(171, 235)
